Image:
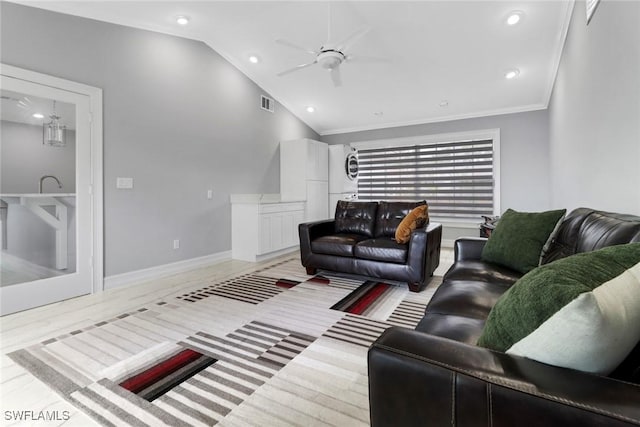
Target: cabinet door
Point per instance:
(264, 245)
(322, 164)
(288, 238)
(298, 218)
(293, 170)
(317, 161)
(317, 200)
(276, 231)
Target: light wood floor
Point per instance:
(21, 391)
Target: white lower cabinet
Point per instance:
(262, 229)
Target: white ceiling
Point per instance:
(20, 107)
(453, 51)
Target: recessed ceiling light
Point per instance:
(38, 116)
(378, 113)
(444, 103)
(254, 59)
(182, 20)
(512, 74)
(310, 109)
(514, 17)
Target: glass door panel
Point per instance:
(45, 216)
(37, 187)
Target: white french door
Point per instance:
(50, 191)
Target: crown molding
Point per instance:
(551, 80)
(488, 113)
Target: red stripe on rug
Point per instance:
(367, 299)
(159, 371)
(286, 283)
(319, 279)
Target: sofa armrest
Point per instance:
(468, 248)
(309, 231)
(421, 379)
(424, 250)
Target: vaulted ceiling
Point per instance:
(418, 62)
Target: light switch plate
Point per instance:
(124, 183)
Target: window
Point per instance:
(456, 178)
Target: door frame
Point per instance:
(96, 168)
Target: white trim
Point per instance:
(277, 253)
(493, 134)
(427, 139)
(461, 224)
(96, 179)
(93, 97)
(488, 113)
(558, 54)
(447, 243)
(144, 275)
(497, 188)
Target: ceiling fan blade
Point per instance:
(336, 77)
(296, 68)
(295, 46)
(366, 59)
(351, 39)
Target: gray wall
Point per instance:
(524, 148)
(178, 118)
(594, 113)
(24, 159)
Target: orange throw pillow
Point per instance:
(418, 217)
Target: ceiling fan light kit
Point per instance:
(330, 55)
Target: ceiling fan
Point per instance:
(330, 55)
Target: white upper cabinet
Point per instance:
(301, 160)
(317, 161)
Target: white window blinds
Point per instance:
(455, 178)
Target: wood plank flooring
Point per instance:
(325, 384)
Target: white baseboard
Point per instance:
(447, 243)
(138, 276)
(275, 254)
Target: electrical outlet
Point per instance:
(176, 244)
(209, 194)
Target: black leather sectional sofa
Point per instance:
(360, 240)
(435, 375)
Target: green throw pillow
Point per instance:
(519, 238)
(580, 312)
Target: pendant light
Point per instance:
(53, 133)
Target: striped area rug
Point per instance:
(274, 347)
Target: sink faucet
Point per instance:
(45, 177)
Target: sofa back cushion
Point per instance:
(585, 230)
(520, 238)
(356, 217)
(391, 214)
(581, 312)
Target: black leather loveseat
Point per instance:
(437, 376)
(360, 240)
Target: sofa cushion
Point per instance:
(391, 214)
(336, 244)
(466, 298)
(381, 249)
(580, 312)
(356, 217)
(458, 328)
(417, 218)
(519, 238)
(481, 271)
